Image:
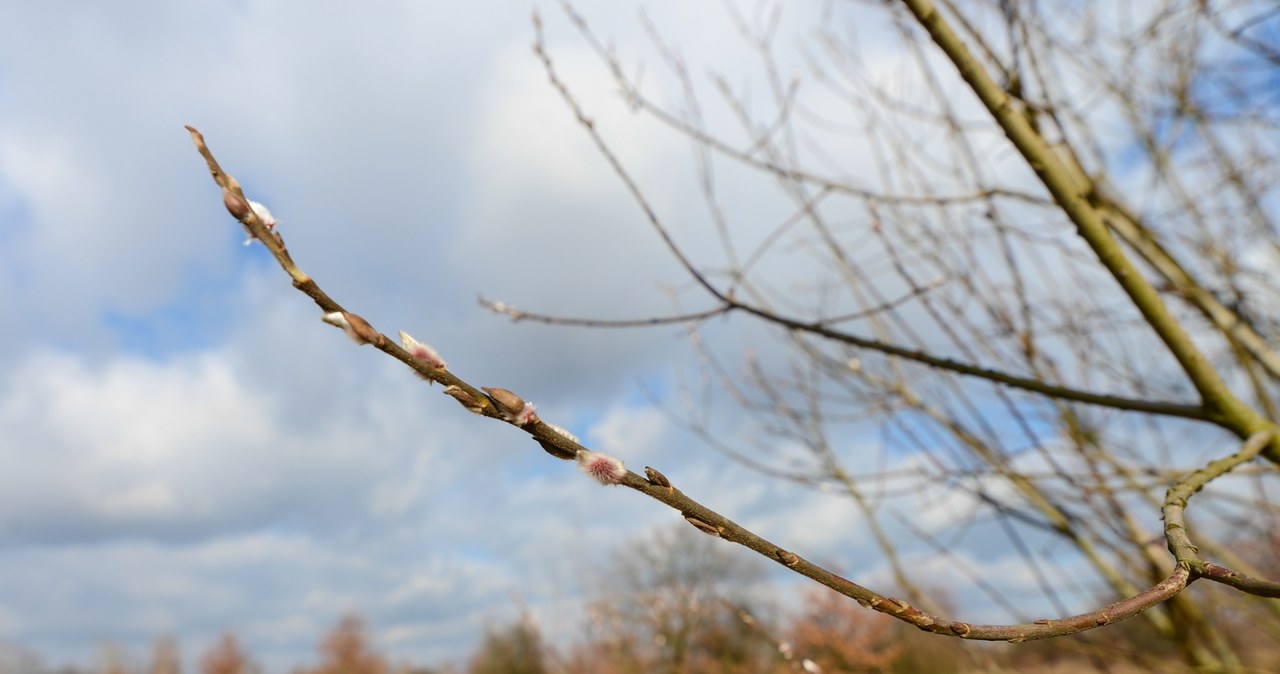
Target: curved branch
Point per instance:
(498, 404)
(1175, 525)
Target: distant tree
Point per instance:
(115, 659)
(227, 657)
(669, 603)
(346, 650)
(15, 659)
(841, 637)
(515, 649)
(165, 658)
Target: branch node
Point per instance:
(787, 558)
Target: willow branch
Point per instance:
(497, 404)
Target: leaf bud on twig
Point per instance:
(475, 404)
(513, 408)
(555, 450)
(508, 402)
(560, 430)
(240, 210)
(356, 327)
(657, 479)
(236, 206)
(704, 526)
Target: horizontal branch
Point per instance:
(517, 315)
(990, 374)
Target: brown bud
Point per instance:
(787, 558)
(513, 408)
(356, 328)
(473, 403)
(365, 331)
(508, 403)
(237, 207)
(558, 452)
(960, 629)
(705, 527)
(657, 479)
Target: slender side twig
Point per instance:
(517, 315)
(749, 156)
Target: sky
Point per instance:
(188, 450)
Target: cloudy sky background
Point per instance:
(187, 449)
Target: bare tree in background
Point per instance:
(1036, 244)
(671, 605)
(165, 658)
(515, 649)
(1045, 280)
(346, 650)
(227, 656)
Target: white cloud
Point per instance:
(630, 432)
